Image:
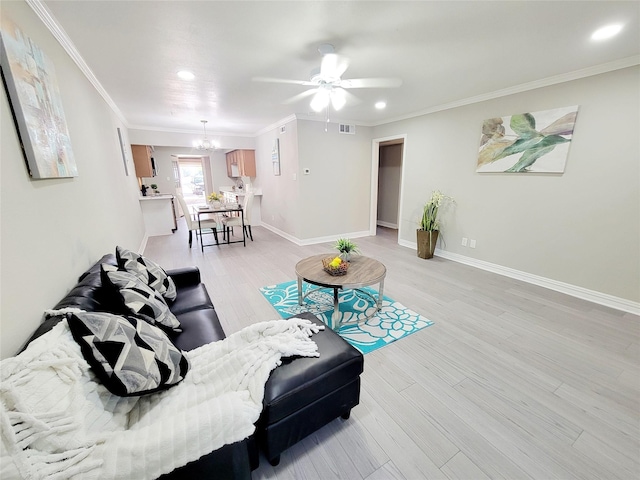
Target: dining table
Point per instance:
(235, 208)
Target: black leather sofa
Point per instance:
(301, 395)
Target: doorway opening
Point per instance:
(190, 178)
(387, 174)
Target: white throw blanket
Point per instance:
(58, 422)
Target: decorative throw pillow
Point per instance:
(148, 271)
(140, 299)
(129, 356)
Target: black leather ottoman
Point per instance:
(304, 394)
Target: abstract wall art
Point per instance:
(535, 142)
(30, 81)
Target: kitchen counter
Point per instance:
(161, 196)
(241, 193)
(158, 214)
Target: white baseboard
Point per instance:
(387, 224)
(313, 241)
(143, 244)
(573, 290)
(285, 235)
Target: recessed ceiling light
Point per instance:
(381, 105)
(606, 32)
(185, 75)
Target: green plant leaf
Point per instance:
(528, 158)
(520, 145)
(524, 125)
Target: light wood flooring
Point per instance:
(513, 381)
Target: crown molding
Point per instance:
(275, 125)
(58, 32)
(524, 87)
(147, 128)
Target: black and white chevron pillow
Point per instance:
(148, 271)
(128, 355)
(140, 299)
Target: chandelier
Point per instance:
(205, 143)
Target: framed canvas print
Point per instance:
(535, 142)
(36, 104)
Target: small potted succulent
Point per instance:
(346, 247)
(154, 187)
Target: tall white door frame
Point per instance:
(375, 166)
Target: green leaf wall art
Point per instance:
(536, 142)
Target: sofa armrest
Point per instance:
(185, 277)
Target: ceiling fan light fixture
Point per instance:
(338, 99)
(320, 100)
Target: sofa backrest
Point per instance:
(88, 294)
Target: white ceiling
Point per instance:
(446, 52)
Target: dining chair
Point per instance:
(206, 223)
(236, 221)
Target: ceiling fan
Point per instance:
(328, 85)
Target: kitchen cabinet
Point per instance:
(142, 161)
(241, 163)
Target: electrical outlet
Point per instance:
(464, 241)
(472, 243)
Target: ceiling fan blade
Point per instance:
(300, 96)
(333, 66)
(328, 65)
(371, 82)
(283, 80)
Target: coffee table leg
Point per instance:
(335, 316)
(299, 290)
(380, 293)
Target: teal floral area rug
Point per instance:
(393, 322)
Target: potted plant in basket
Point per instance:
(346, 247)
(429, 227)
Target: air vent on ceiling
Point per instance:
(347, 129)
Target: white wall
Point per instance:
(335, 196)
(52, 230)
(280, 195)
(333, 199)
(581, 228)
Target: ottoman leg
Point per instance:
(274, 461)
(346, 415)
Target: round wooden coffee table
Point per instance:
(363, 271)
